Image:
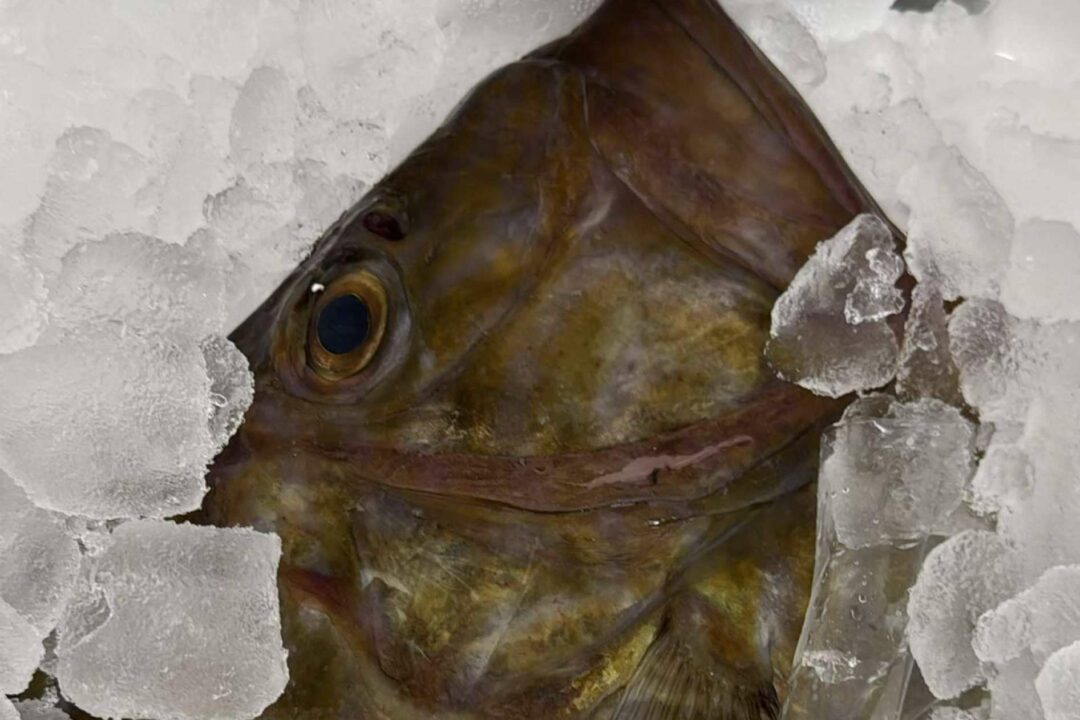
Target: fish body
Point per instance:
(512, 419)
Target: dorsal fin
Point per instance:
(681, 678)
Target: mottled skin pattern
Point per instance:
(565, 484)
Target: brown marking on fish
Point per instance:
(559, 481)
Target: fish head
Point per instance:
(512, 418)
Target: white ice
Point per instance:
(38, 559)
(1058, 684)
(167, 164)
(175, 621)
(961, 579)
(20, 650)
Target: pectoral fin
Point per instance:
(690, 673)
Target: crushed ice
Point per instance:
(167, 164)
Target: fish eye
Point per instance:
(347, 325)
(343, 324)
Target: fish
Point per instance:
(512, 418)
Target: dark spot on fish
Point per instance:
(383, 224)
(344, 324)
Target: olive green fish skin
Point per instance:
(565, 484)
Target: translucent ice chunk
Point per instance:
(107, 425)
(1059, 684)
(38, 559)
(828, 329)
(895, 471)
(176, 621)
(1044, 618)
(961, 579)
(1041, 280)
(927, 368)
(142, 284)
(20, 651)
(960, 229)
(851, 660)
(231, 387)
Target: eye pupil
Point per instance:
(384, 225)
(344, 324)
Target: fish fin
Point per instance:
(678, 678)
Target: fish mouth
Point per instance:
(714, 457)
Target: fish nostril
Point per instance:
(383, 224)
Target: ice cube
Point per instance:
(356, 147)
(264, 119)
(997, 358)
(960, 229)
(782, 37)
(1012, 691)
(38, 559)
(20, 651)
(176, 621)
(7, 710)
(961, 579)
(1044, 618)
(141, 284)
(22, 299)
(927, 368)
(829, 332)
(1041, 280)
(894, 471)
(232, 387)
(1058, 684)
(204, 35)
(1037, 171)
(94, 188)
(403, 46)
(1037, 34)
(851, 660)
(840, 19)
(1003, 480)
(108, 425)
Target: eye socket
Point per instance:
(347, 325)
